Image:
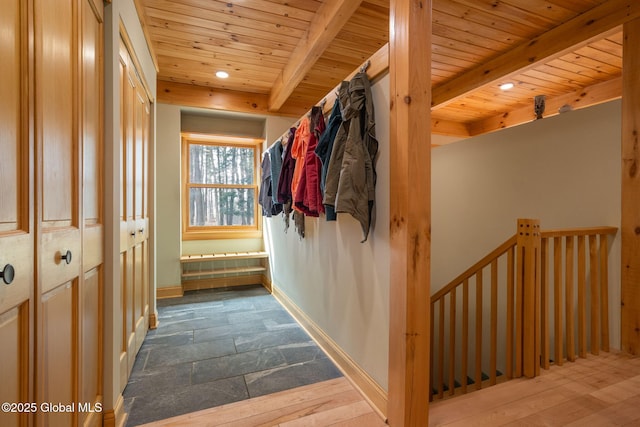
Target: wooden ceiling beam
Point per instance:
(586, 97)
(564, 38)
(324, 27)
(216, 99)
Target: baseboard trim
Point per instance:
(116, 417)
(367, 386)
(172, 292)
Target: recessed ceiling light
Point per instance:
(506, 86)
(222, 74)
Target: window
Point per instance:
(220, 187)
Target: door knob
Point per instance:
(66, 257)
(7, 274)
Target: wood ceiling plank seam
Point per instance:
(447, 52)
(467, 38)
(269, 16)
(184, 31)
(506, 11)
(550, 69)
(372, 11)
(224, 47)
(549, 81)
(347, 45)
(199, 22)
(482, 17)
(378, 33)
(543, 87)
(258, 63)
(577, 6)
(205, 84)
(579, 69)
(601, 56)
(171, 50)
(608, 46)
(308, 5)
(236, 69)
(451, 60)
(476, 29)
(361, 39)
(226, 19)
(543, 8)
(242, 85)
(456, 46)
(600, 67)
(277, 9)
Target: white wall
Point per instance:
(168, 231)
(340, 283)
(563, 170)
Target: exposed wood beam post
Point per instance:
(410, 228)
(325, 26)
(575, 33)
(630, 221)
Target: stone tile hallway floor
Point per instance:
(214, 347)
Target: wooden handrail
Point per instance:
(579, 231)
(540, 328)
(471, 271)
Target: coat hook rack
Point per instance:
(365, 66)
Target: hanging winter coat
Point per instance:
(325, 144)
(337, 153)
(286, 173)
(265, 196)
(356, 186)
(298, 152)
(308, 198)
(275, 154)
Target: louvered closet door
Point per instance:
(134, 262)
(16, 214)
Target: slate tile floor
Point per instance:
(214, 347)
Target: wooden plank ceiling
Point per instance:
(283, 56)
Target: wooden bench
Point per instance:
(211, 265)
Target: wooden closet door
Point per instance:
(141, 217)
(91, 290)
(59, 201)
(16, 213)
(134, 263)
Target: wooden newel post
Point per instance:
(528, 298)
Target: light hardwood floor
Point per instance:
(333, 402)
(597, 391)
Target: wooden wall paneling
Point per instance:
(630, 222)
(410, 216)
(16, 210)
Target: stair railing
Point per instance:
(484, 334)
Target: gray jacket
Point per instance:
(351, 177)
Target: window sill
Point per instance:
(215, 235)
